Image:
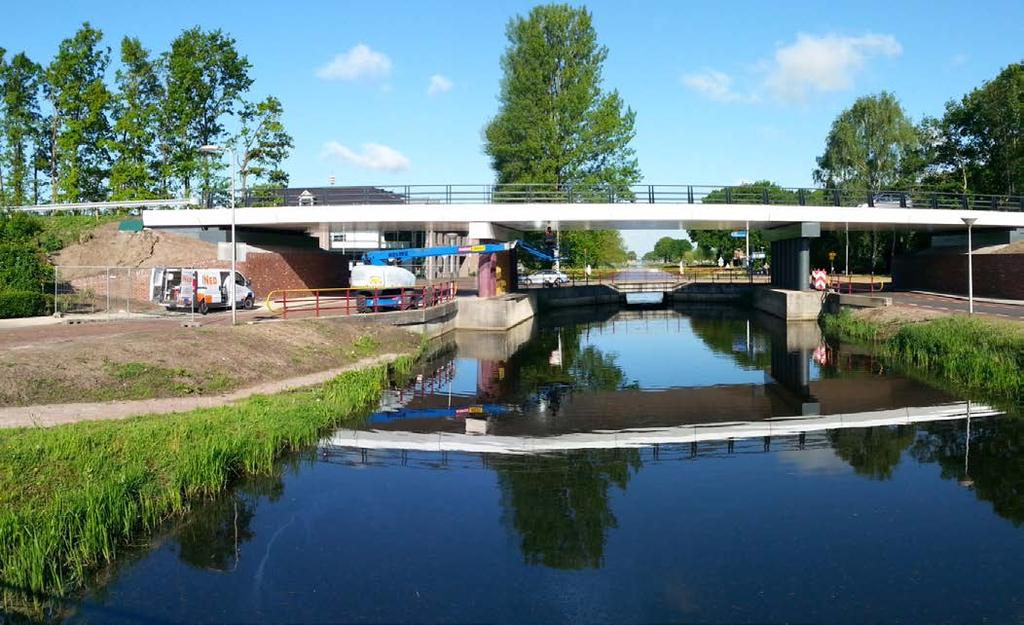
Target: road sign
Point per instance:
(758, 255)
(738, 234)
(819, 279)
(831, 255)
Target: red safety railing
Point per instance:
(348, 301)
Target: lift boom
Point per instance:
(382, 257)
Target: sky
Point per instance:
(398, 92)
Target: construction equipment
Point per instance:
(383, 283)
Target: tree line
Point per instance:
(976, 146)
(557, 125)
(68, 135)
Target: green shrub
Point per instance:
(23, 304)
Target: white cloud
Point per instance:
(823, 63)
(359, 62)
(713, 85)
(959, 60)
(439, 84)
(373, 156)
(812, 63)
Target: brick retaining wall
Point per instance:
(995, 275)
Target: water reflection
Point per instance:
(211, 538)
(559, 505)
(704, 465)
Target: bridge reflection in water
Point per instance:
(526, 404)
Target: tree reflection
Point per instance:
(729, 337)
(872, 452)
(583, 367)
(559, 505)
(213, 533)
(996, 467)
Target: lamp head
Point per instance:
(969, 220)
(210, 149)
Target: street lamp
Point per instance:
(970, 265)
(216, 149)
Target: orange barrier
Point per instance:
(347, 301)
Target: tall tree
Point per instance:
(136, 115)
(555, 125)
(261, 145)
(79, 127)
(982, 136)
(872, 145)
(206, 77)
(19, 93)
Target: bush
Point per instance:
(23, 304)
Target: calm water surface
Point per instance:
(617, 467)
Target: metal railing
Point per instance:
(348, 301)
(641, 194)
(103, 290)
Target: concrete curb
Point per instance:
(964, 298)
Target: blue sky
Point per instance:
(724, 92)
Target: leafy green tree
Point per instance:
(205, 80)
(261, 145)
(979, 141)
(670, 250)
(555, 124)
(79, 125)
(136, 113)
(19, 121)
(872, 145)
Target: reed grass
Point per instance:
(72, 496)
(974, 354)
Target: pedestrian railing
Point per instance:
(641, 194)
(349, 301)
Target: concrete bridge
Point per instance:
(788, 218)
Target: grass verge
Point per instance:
(977, 355)
(71, 496)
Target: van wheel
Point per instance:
(247, 303)
(203, 307)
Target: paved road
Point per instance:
(952, 304)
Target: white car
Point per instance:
(889, 200)
(546, 277)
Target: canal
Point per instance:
(702, 465)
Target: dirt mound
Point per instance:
(1016, 247)
(107, 247)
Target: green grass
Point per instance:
(60, 231)
(72, 496)
(973, 354)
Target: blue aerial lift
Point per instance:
(382, 257)
(386, 285)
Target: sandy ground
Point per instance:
(149, 359)
(59, 414)
(106, 247)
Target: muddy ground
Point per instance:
(168, 360)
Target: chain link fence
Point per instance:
(109, 291)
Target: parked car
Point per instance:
(546, 277)
(889, 200)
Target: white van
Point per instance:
(173, 288)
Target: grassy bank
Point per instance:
(975, 354)
(132, 360)
(71, 496)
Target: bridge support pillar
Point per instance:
(791, 255)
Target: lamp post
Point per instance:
(216, 149)
(970, 265)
